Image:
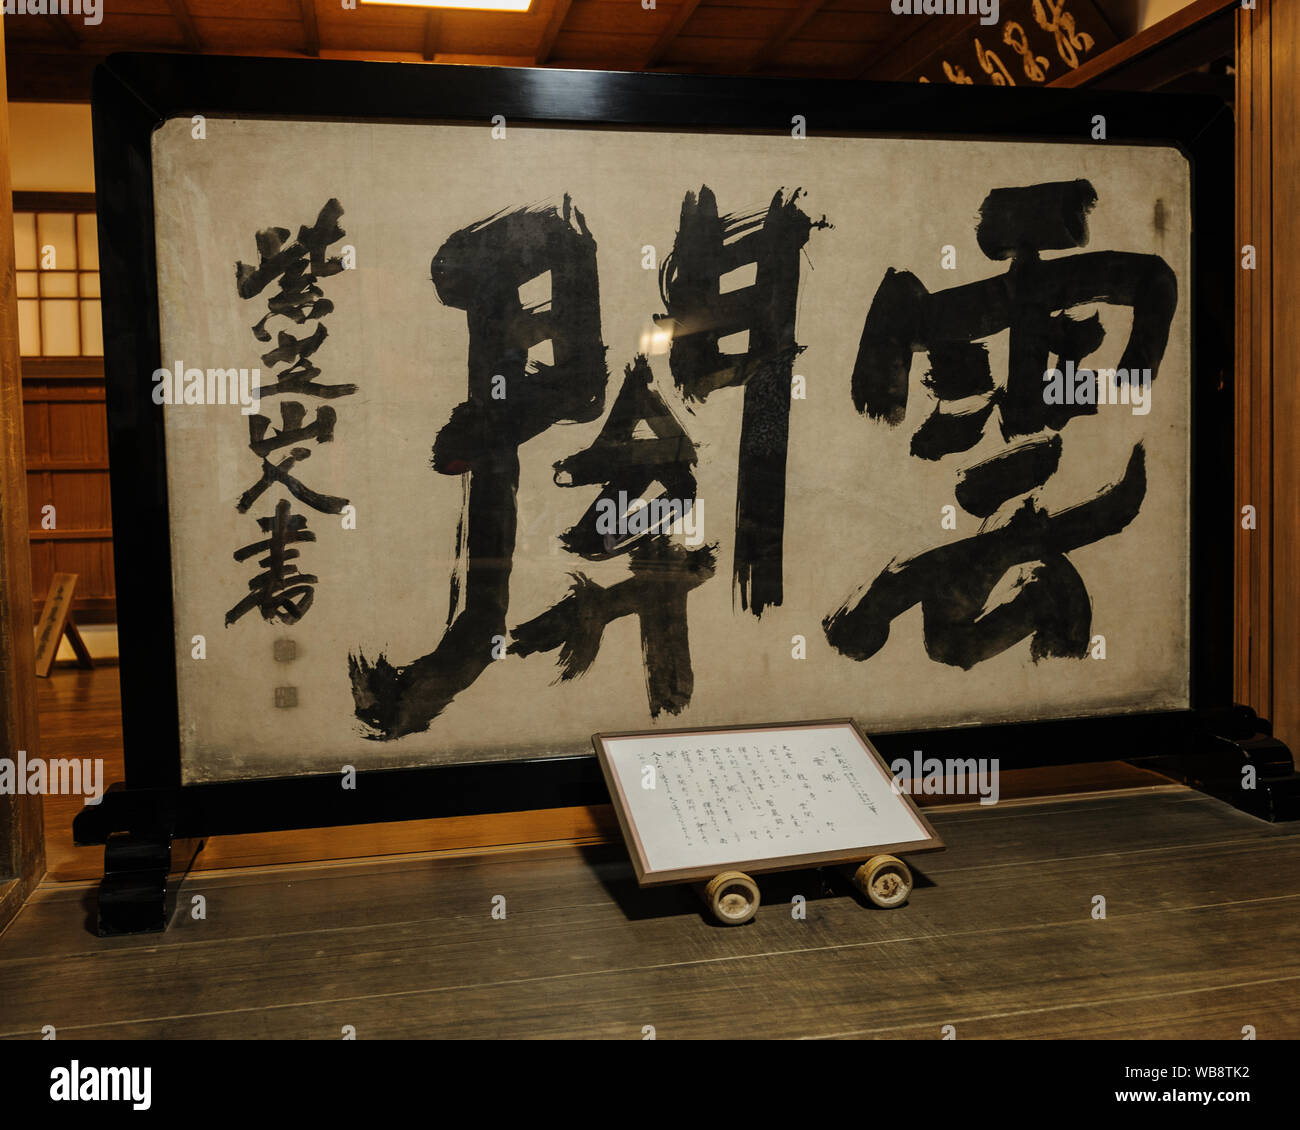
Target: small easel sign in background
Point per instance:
(704, 804)
(56, 622)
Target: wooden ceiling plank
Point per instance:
(549, 36)
(788, 30)
(65, 31)
(685, 10)
(893, 59)
(190, 33)
(310, 28)
(484, 60)
(432, 30)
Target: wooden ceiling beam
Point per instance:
(558, 15)
(1194, 23)
(685, 10)
(788, 30)
(190, 33)
(310, 28)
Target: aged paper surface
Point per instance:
(856, 498)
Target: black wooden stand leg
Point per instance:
(1241, 763)
(133, 894)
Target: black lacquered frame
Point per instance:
(135, 94)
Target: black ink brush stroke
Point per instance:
(663, 574)
(953, 583)
(480, 269)
(623, 463)
(1029, 300)
(1035, 217)
(707, 247)
(985, 486)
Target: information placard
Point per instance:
(755, 798)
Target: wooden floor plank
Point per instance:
(1197, 1013)
(874, 989)
(1027, 836)
(1003, 934)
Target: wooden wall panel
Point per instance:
(1284, 137)
(67, 466)
(78, 432)
(80, 500)
(1253, 477)
(38, 493)
(90, 561)
(22, 841)
(1268, 364)
(42, 569)
(36, 424)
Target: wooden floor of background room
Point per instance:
(999, 940)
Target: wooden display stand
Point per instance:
(56, 622)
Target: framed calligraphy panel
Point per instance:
(459, 412)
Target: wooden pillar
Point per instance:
(1268, 364)
(22, 846)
